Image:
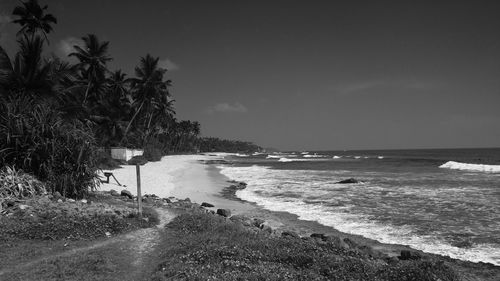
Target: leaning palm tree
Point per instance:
(33, 19)
(93, 58)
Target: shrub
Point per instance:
(152, 152)
(33, 137)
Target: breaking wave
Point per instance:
(471, 167)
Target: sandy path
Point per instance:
(136, 246)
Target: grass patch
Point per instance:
(207, 247)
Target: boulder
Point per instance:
(224, 212)
(114, 192)
(351, 180)
(258, 222)
(267, 229)
(84, 201)
(57, 195)
(205, 204)
(127, 194)
(318, 236)
(241, 219)
(187, 200)
(337, 242)
(409, 255)
(289, 234)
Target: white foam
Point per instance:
(471, 167)
(264, 183)
(336, 157)
(241, 155)
(284, 159)
(273, 156)
(313, 156)
(380, 157)
(304, 152)
(357, 157)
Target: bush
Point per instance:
(33, 137)
(152, 152)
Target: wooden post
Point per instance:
(139, 195)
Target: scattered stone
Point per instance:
(71, 200)
(59, 200)
(289, 234)
(57, 195)
(108, 234)
(391, 260)
(187, 200)
(351, 180)
(258, 222)
(127, 193)
(224, 212)
(205, 204)
(114, 192)
(242, 219)
(318, 236)
(166, 200)
(409, 255)
(267, 229)
(337, 242)
(84, 201)
(350, 243)
(23, 207)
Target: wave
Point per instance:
(313, 156)
(471, 167)
(284, 159)
(264, 183)
(241, 155)
(273, 156)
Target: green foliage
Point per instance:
(15, 184)
(207, 247)
(34, 138)
(211, 144)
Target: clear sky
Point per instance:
(309, 74)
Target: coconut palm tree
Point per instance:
(150, 93)
(33, 19)
(93, 58)
(28, 74)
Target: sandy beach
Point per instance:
(186, 176)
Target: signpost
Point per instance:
(139, 195)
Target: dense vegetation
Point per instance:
(54, 114)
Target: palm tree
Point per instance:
(93, 58)
(28, 74)
(33, 19)
(150, 93)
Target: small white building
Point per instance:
(123, 153)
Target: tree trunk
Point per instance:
(131, 120)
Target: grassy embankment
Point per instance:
(200, 246)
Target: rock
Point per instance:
(224, 212)
(318, 236)
(114, 192)
(166, 200)
(59, 200)
(267, 229)
(351, 180)
(108, 234)
(409, 255)
(23, 207)
(71, 200)
(57, 195)
(391, 260)
(241, 219)
(127, 194)
(289, 234)
(205, 204)
(187, 200)
(84, 201)
(351, 243)
(337, 242)
(44, 200)
(258, 222)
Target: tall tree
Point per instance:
(33, 19)
(150, 93)
(93, 58)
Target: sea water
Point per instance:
(439, 201)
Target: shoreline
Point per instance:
(197, 177)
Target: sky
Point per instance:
(308, 75)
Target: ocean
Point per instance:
(442, 201)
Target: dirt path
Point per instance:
(127, 254)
